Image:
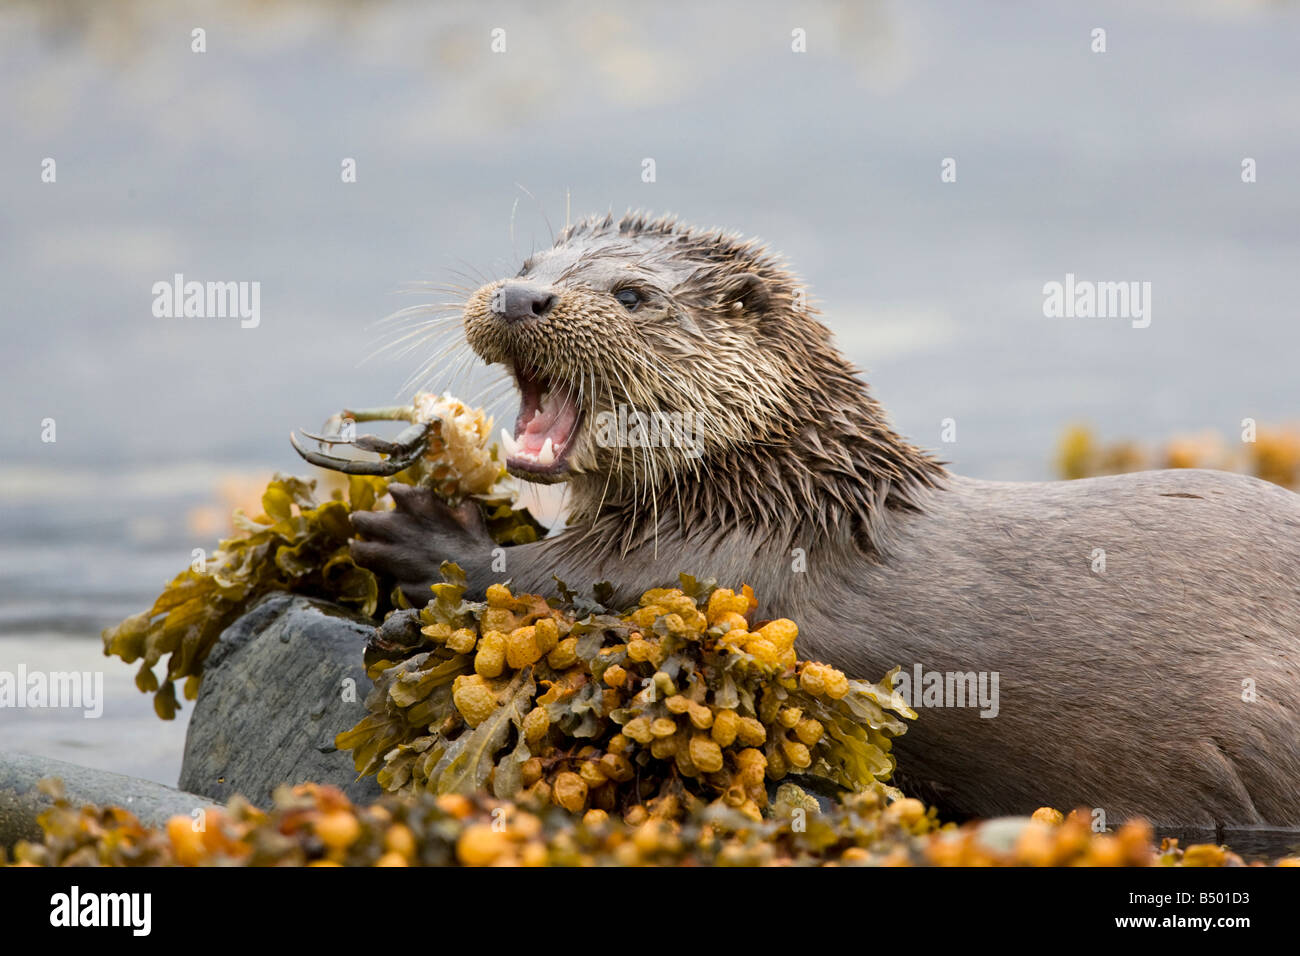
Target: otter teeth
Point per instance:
(512, 449)
(509, 444)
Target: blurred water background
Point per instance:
(225, 165)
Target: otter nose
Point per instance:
(525, 300)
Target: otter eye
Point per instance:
(629, 298)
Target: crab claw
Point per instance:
(403, 451)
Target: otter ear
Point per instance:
(747, 292)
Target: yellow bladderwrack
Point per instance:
(622, 713)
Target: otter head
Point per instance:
(640, 348)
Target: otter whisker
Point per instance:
(462, 371)
(423, 308)
(445, 356)
(710, 424)
(417, 319)
(651, 497)
(618, 464)
(407, 341)
(409, 328)
(477, 277)
(423, 376)
(540, 208)
(496, 387)
(632, 454)
(417, 322)
(425, 286)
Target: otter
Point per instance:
(1161, 681)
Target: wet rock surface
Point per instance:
(283, 680)
(21, 801)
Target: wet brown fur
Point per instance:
(1121, 690)
(794, 441)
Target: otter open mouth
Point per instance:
(545, 429)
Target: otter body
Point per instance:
(1140, 632)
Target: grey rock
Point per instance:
(273, 697)
(21, 802)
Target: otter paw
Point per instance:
(410, 542)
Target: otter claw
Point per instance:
(404, 451)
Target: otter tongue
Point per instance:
(554, 419)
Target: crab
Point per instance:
(403, 451)
(453, 439)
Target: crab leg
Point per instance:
(403, 451)
(387, 413)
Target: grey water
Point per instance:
(225, 165)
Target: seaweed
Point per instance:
(311, 825)
(659, 710)
(299, 544)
